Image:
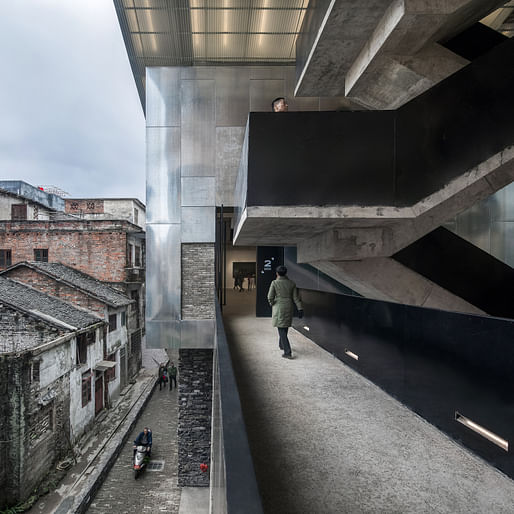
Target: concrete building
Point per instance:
(85, 292)
(402, 125)
(52, 379)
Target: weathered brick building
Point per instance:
(52, 382)
(112, 251)
(86, 292)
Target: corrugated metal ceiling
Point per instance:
(198, 32)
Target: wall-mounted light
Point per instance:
(306, 328)
(352, 355)
(497, 440)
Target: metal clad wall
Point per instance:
(196, 118)
(490, 225)
(163, 174)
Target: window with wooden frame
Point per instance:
(86, 387)
(19, 211)
(81, 350)
(35, 371)
(5, 258)
(138, 257)
(130, 250)
(41, 254)
(113, 322)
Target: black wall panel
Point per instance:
(435, 362)
(385, 157)
(455, 125)
(320, 158)
(268, 258)
(464, 269)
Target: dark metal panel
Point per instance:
(435, 362)
(455, 125)
(239, 484)
(305, 158)
(463, 269)
(268, 258)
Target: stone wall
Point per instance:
(198, 281)
(194, 426)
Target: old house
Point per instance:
(130, 209)
(86, 292)
(52, 379)
(101, 248)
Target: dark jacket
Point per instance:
(281, 295)
(139, 438)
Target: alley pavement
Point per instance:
(155, 490)
(326, 440)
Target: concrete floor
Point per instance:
(326, 440)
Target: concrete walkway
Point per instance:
(326, 440)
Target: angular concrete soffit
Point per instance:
(313, 48)
(429, 213)
(395, 43)
(385, 279)
(354, 232)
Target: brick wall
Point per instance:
(91, 206)
(198, 281)
(194, 423)
(95, 247)
(52, 287)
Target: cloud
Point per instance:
(71, 115)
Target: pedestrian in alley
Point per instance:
(283, 296)
(163, 376)
(172, 375)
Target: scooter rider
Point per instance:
(144, 439)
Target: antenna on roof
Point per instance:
(54, 190)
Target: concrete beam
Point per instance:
(354, 232)
(387, 280)
(383, 54)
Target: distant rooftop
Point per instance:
(44, 306)
(79, 280)
(33, 193)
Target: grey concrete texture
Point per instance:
(362, 47)
(388, 280)
(350, 232)
(326, 440)
(194, 500)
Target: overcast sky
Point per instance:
(70, 115)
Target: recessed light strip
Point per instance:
(352, 355)
(497, 440)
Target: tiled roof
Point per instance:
(80, 280)
(47, 307)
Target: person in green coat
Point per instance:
(282, 296)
